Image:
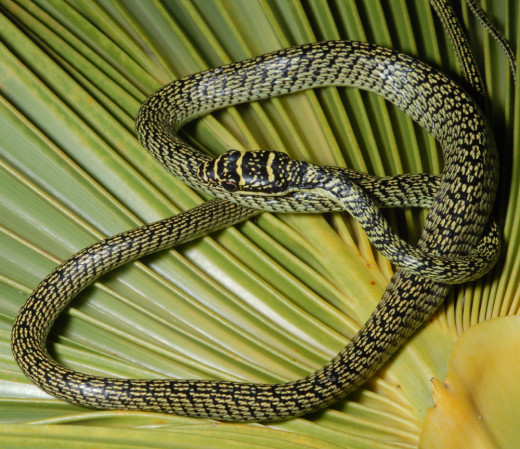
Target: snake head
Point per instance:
(249, 172)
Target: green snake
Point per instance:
(460, 202)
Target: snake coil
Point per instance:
(460, 204)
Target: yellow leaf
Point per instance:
(475, 406)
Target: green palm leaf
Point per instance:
(268, 300)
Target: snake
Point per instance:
(460, 202)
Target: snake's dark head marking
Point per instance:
(250, 172)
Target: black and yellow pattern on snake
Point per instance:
(460, 204)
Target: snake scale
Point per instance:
(460, 202)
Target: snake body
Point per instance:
(461, 201)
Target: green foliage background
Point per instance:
(268, 300)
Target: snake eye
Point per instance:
(230, 186)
